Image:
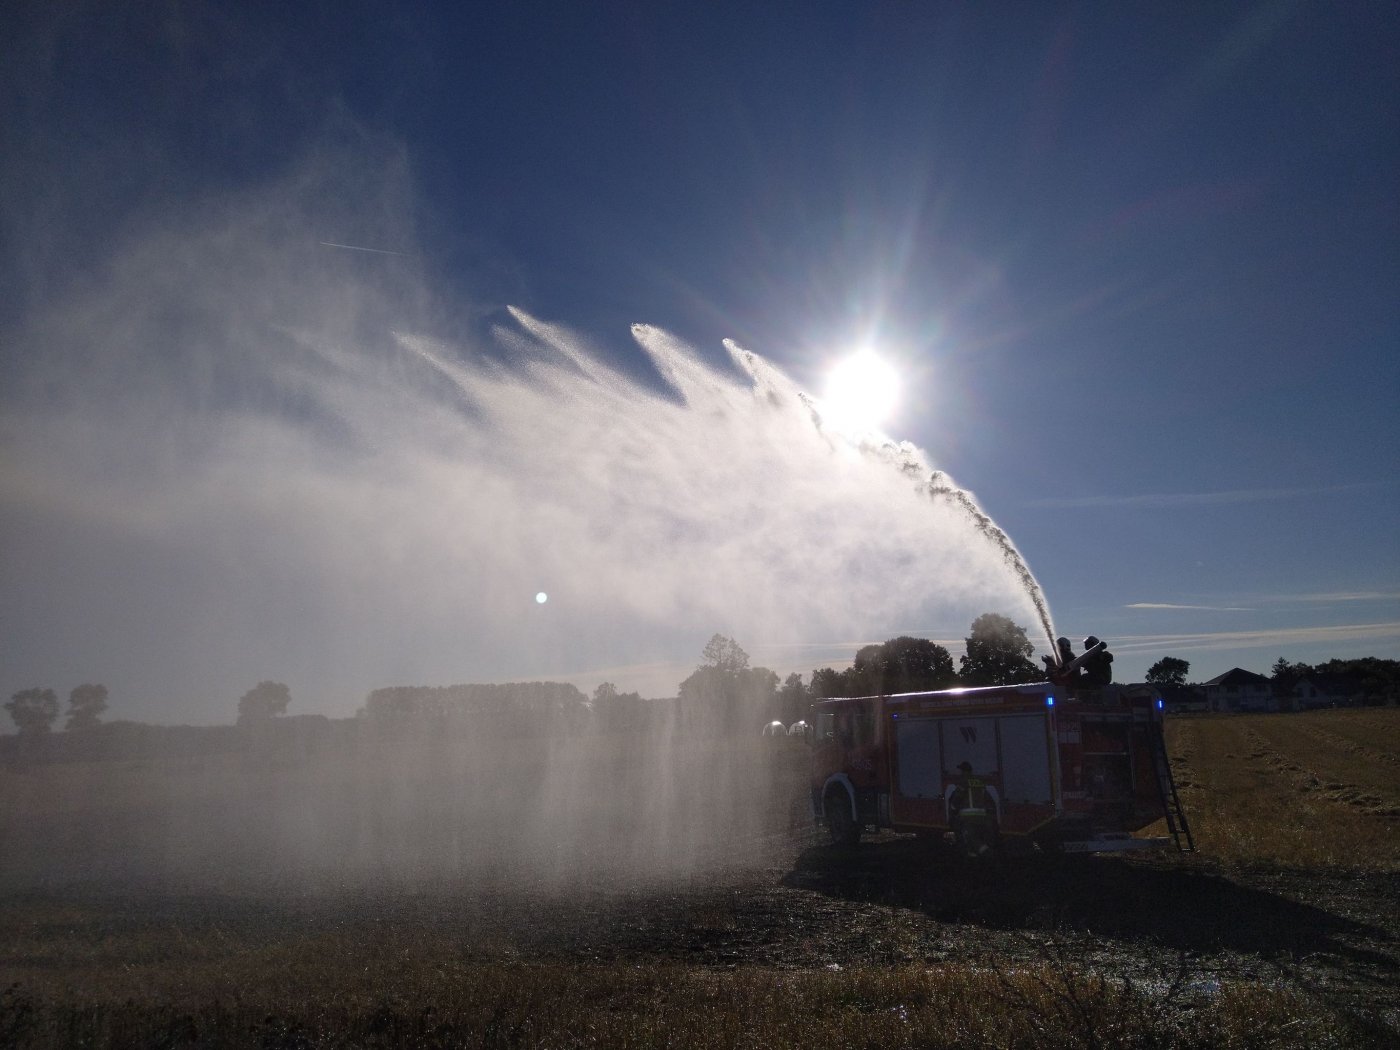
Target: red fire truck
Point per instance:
(1045, 766)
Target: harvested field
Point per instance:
(1312, 790)
(1284, 930)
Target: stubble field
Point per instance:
(1283, 930)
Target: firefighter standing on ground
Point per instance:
(968, 808)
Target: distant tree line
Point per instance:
(1368, 678)
(997, 652)
(724, 690)
(34, 711)
(613, 711)
(515, 708)
(726, 687)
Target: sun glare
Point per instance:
(861, 392)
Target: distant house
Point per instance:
(1238, 690)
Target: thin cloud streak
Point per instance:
(1335, 596)
(1274, 599)
(1260, 639)
(1204, 499)
(1171, 605)
(359, 248)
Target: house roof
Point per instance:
(1238, 676)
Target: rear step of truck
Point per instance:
(1166, 787)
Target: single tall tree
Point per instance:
(33, 710)
(265, 700)
(725, 654)
(998, 653)
(85, 706)
(724, 692)
(913, 665)
(1168, 674)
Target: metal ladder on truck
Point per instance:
(1166, 788)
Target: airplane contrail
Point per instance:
(359, 248)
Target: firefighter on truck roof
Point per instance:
(1098, 667)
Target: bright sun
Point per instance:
(861, 392)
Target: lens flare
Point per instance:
(862, 392)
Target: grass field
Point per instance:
(1307, 790)
(1283, 931)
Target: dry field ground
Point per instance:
(1283, 930)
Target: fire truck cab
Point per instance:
(1039, 765)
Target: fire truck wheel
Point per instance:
(845, 832)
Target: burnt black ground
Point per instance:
(892, 901)
(1333, 932)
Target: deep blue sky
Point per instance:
(1139, 263)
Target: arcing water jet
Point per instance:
(940, 486)
(908, 461)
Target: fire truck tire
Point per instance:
(845, 832)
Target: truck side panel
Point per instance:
(972, 740)
(920, 773)
(1025, 760)
(1010, 753)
